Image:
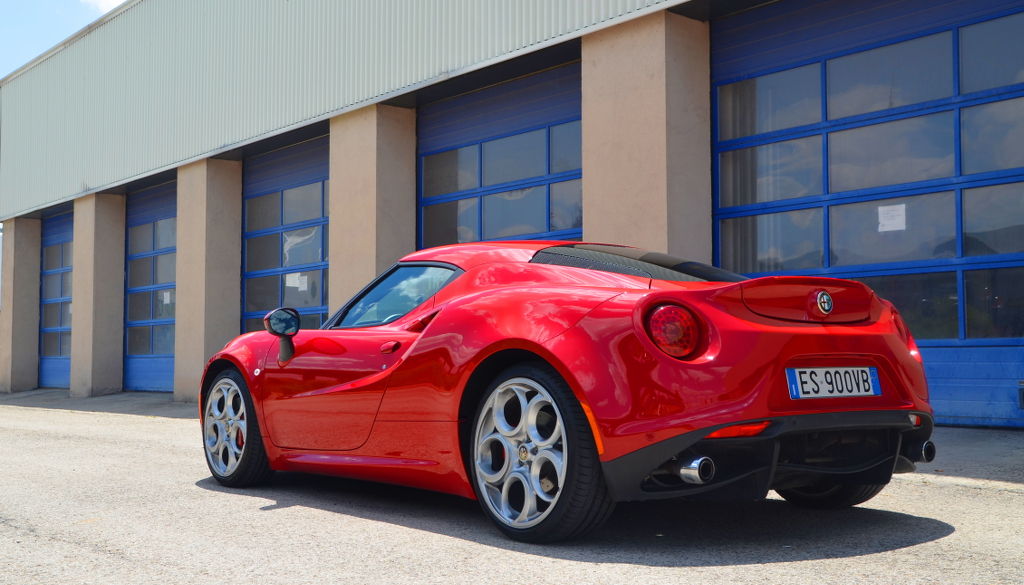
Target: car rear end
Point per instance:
(731, 389)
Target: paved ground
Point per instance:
(114, 490)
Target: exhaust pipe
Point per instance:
(927, 451)
(697, 471)
(919, 452)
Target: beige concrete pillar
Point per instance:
(208, 267)
(646, 135)
(97, 305)
(372, 195)
(19, 305)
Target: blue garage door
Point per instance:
(502, 162)
(284, 256)
(884, 141)
(150, 288)
(55, 301)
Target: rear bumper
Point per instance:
(867, 447)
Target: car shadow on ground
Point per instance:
(666, 533)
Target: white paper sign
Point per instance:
(297, 280)
(167, 297)
(892, 218)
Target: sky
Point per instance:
(29, 28)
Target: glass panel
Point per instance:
(776, 241)
(302, 246)
(51, 344)
(303, 203)
(451, 171)
(139, 305)
(927, 302)
(253, 325)
(166, 231)
(140, 238)
(770, 102)
(995, 307)
(263, 212)
(263, 293)
(514, 213)
(65, 284)
(67, 248)
(51, 315)
(302, 289)
(51, 286)
(567, 205)
(263, 252)
(994, 220)
(400, 292)
(914, 149)
(515, 157)
(888, 77)
(138, 340)
(140, 272)
(163, 339)
(51, 257)
(894, 230)
(993, 136)
(165, 268)
(65, 314)
(65, 343)
(566, 147)
(163, 304)
(311, 321)
(450, 223)
(992, 54)
(782, 170)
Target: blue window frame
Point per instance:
(526, 184)
(502, 162)
(55, 301)
(284, 254)
(150, 288)
(919, 142)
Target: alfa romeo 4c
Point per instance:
(550, 380)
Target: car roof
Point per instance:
(467, 256)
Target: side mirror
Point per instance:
(283, 323)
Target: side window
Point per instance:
(397, 294)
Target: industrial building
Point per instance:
(180, 167)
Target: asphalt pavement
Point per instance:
(114, 490)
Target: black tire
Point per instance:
(234, 452)
(582, 503)
(825, 495)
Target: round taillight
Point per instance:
(675, 330)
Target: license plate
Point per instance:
(832, 382)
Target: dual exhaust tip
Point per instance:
(697, 471)
(700, 470)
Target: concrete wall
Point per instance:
(19, 305)
(372, 195)
(646, 135)
(208, 266)
(97, 306)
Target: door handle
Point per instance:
(389, 346)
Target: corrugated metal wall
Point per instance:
(163, 82)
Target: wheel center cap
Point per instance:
(524, 453)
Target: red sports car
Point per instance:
(550, 380)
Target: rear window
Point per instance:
(634, 262)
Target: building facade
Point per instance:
(179, 168)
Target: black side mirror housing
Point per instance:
(283, 323)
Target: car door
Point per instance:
(327, 395)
